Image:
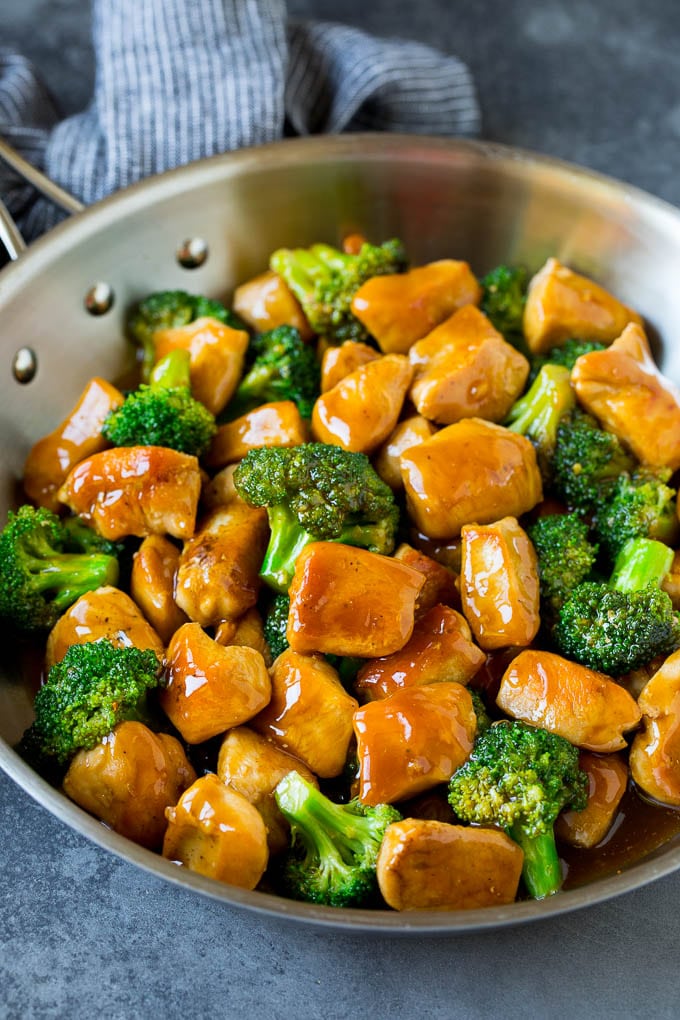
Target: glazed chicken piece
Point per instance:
(625, 391)
(52, 458)
(253, 766)
(655, 754)
(562, 304)
(275, 424)
(103, 613)
(248, 631)
(217, 354)
(607, 782)
(585, 707)
(337, 362)
(220, 489)
(209, 687)
(671, 582)
(440, 649)
(413, 740)
(473, 470)
(499, 586)
(129, 779)
(265, 302)
(400, 308)
(217, 576)
(441, 583)
(310, 713)
(406, 433)
(361, 410)
(152, 585)
(465, 369)
(430, 865)
(135, 490)
(215, 831)
(348, 601)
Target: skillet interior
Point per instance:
(481, 202)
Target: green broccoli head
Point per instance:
(39, 579)
(163, 413)
(284, 368)
(565, 556)
(565, 355)
(482, 716)
(334, 847)
(538, 413)
(641, 505)
(520, 777)
(504, 291)
(587, 462)
(315, 492)
(325, 279)
(170, 309)
(95, 686)
(623, 625)
(276, 624)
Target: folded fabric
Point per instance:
(178, 80)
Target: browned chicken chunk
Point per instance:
(607, 782)
(152, 585)
(655, 754)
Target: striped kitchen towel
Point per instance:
(178, 80)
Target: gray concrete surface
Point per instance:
(83, 933)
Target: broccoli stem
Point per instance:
(541, 871)
(287, 541)
(70, 576)
(331, 257)
(171, 371)
(332, 829)
(641, 561)
(301, 270)
(538, 413)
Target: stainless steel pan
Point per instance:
(477, 201)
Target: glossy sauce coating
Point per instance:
(499, 583)
(413, 740)
(473, 470)
(339, 361)
(265, 302)
(346, 601)
(276, 424)
(407, 433)
(214, 831)
(440, 649)
(103, 613)
(217, 354)
(209, 687)
(152, 584)
(404, 307)
(587, 708)
(655, 754)
(361, 410)
(465, 369)
(562, 304)
(607, 782)
(310, 713)
(135, 490)
(129, 779)
(51, 459)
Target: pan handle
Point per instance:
(10, 236)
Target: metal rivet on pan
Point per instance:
(192, 253)
(24, 365)
(99, 298)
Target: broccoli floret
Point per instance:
(275, 625)
(521, 777)
(587, 462)
(315, 492)
(325, 279)
(642, 505)
(39, 578)
(169, 309)
(334, 847)
(285, 368)
(538, 413)
(504, 292)
(78, 537)
(484, 720)
(565, 556)
(164, 413)
(93, 688)
(565, 355)
(623, 625)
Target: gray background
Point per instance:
(83, 933)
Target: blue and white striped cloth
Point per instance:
(180, 79)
